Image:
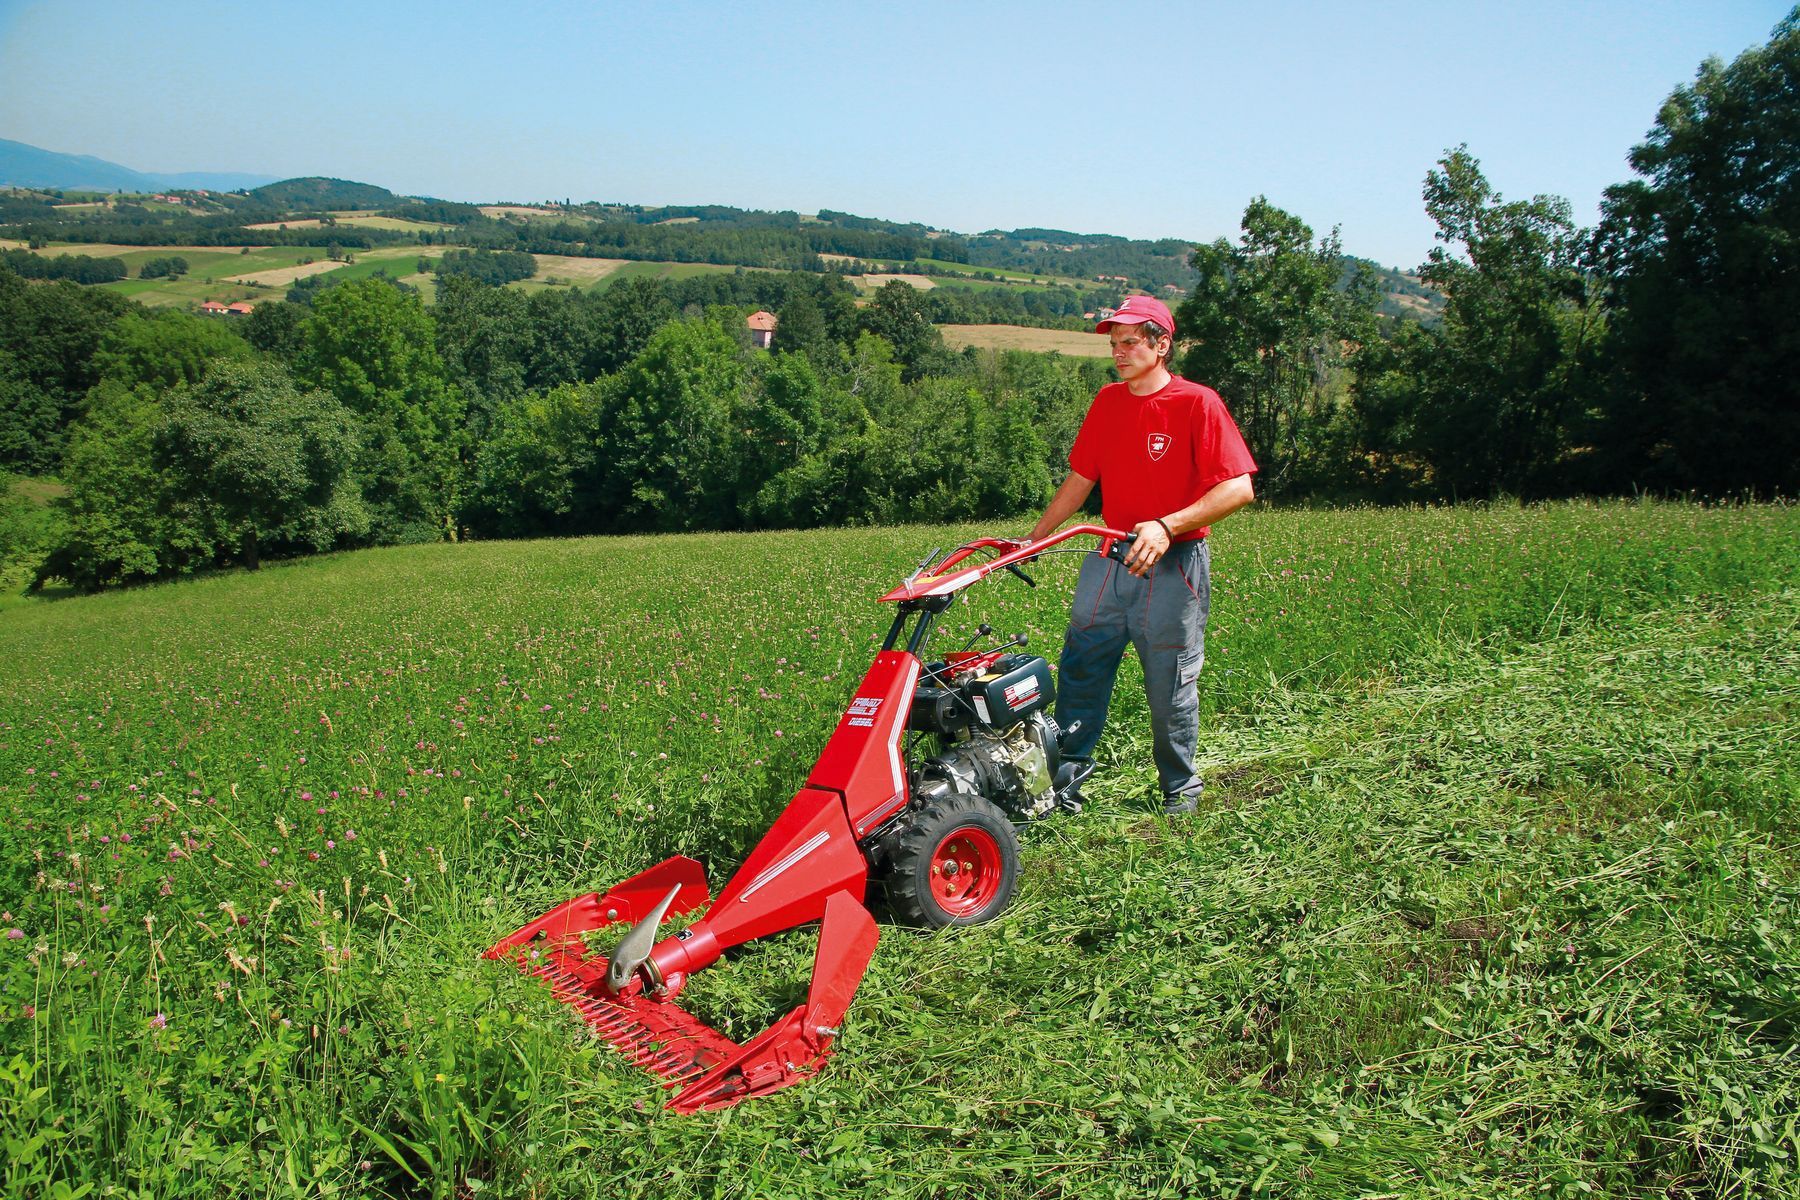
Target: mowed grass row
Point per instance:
(1494, 895)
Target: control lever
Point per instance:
(1014, 568)
(1119, 546)
(981, 631)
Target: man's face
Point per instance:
(1135, 353)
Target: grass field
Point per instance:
(1494, 893)
(231, 273)
(1018, 337)
(650, 270)
(579, 272)
(1024, 277)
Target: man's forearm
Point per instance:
(1220, 502)
(1070, 496)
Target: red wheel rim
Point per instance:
(966, 871)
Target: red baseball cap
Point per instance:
(1136, 310)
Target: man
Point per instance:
(1170, 462)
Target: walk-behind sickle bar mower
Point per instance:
(936, 836)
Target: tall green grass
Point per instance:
(1494, 893)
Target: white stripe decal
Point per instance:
(812, 843)
(899, 727)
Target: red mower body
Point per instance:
(814, 864)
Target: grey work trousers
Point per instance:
(1163, 616)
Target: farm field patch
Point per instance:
(1005, 274)
(111, 250)
(637, 269)
(1018, 337)
(283, 276)
(1499, 838)
(400, 224)
(869, 283)
(575, 270)
(519, 210)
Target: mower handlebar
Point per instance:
(952, 575)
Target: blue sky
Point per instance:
(1143, 120)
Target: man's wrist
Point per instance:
(1165, 529)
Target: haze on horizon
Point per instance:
(1140, 121)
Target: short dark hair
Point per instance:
(1157, 333)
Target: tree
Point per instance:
(276, 327)
(622, 319)
(163, 268)
(373, 347)
(1488, 399)
(1269, 328)
(48, 335)
(536, 471)
(164, 349)
(274, 462)
(484, 339)
(779, 421)
(125, 516)
(897, 314)
(1705, 249)
(666, 430)
(800, 325)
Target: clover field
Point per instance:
(1494, 892)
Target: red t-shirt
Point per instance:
(1159, 453)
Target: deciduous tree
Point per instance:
(1488, 398)
(274, 462)
(1269, 328)
(666, 436)
(1705, 249)
(373, 347)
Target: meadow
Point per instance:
(1020, 337)
(1494, 892)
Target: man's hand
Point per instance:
(1151, 544)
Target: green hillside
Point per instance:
(314, 194)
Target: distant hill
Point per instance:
(29, 166)
(313, 194)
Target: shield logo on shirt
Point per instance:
(1159, 445)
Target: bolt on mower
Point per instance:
(934, 834)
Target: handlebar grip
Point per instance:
(1014, 568)
(1119, 546)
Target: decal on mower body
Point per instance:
(862, 711)
(807, 847)
(862, 759)
(1022, 691)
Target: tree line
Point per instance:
(80, 268)
(363, 418)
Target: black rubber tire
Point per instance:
(913, 876)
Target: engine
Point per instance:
(995, 737)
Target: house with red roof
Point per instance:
(762, 328)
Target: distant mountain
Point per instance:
(28, 166)
(313, 194)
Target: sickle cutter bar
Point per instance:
(628, 1000)
(813, 864)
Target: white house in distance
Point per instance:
(762, 328)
